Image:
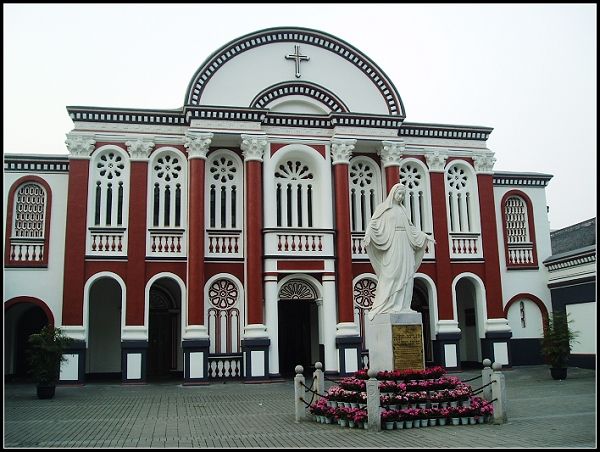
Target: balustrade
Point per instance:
(299, 242)
(465, 245)
(107, 242)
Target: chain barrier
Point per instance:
(478, 390)
(471, 379)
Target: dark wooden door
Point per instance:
(160, 346)
(294, 336)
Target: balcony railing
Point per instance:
(465, 245)
(27, 251)
(163, 242)
(224, 243)
(299, 242)
(107, 242)
(520, 255)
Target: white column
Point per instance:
(271, 320)
(329, 314)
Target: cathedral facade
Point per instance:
(224, 239)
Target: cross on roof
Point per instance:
(298, 58)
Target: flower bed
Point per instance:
(409, 398)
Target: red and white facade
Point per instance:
(224, 239)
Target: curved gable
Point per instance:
(247, 67)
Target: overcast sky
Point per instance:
(528, 71)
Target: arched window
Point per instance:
(417, 200)
(224, 197)
(462, 199)
(519, 230)
(28, 223)
(109, 172)
(224, 322)
(167, 212)
(365, 191)
(295, 194)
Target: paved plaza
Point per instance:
(543, 413)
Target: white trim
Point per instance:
(432, 301)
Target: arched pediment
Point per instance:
(243, 71)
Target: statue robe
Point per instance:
(396, 248)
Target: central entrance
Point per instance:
(298, 321)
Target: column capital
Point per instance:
(139, 150)
(436, 161)
(484, 163)
(197, 144)
(391, 152)
(341, 150)
(80, 146)
(254, 147)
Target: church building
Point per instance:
(224, 239)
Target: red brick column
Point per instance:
(136, 231)
(80, 148)
(489, 236)
(253, 147)
(436, 164)
(197, 145)
(341, 151)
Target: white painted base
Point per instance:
(134, 366)
(450, 358)
(255, 331)
(69, 369)
(501, 353)
(379, 331)
(196, 365)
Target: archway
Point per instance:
(103, 361)
(164, 338)
(21, 320)
(298, 327)
(466, 309)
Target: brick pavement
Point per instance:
(543, 413)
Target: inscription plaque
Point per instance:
(407, 346)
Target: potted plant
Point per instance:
(557, 344)
(44, 356)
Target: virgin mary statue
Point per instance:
(395, 248)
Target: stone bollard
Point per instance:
(373, 401)
(486, 377)
(499, 393)
(318, 380)
(299, 382)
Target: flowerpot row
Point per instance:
(418, 423)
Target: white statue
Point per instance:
(395, 247)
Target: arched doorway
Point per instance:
(21, 320)
(420, 303)
(298, 319)
(164, 341)
(466, 308)
(103, 360)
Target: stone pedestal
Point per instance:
(396, 341)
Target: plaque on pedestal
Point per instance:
(395, 341)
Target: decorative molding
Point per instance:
(436, 161)
(139, 150)
(80, 146)
(308, 89)
(341, 150)
(253, 147)
(484, 163)
(30, 163)
(445, 131)
(391, 152)
(538, 179)
(197, 144)
(297, 36)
